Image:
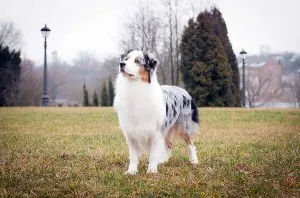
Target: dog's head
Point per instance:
(138, 65)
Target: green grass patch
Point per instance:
(81, 152)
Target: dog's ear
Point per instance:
(150, 64)
(150, 61)
(153, 63)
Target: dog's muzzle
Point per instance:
(122, 66)
(122, 70)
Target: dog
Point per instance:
(149, 114)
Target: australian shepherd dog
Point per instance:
(149, 114)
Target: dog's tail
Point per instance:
(192, 124)
(194, 109)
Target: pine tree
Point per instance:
(111, 93)
(104, 96)
(95, 99)
(205, 67)
(10, 71)
(220, 30)
(85, 96)
(188, 52)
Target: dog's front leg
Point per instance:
(133, 157)
(157, 147)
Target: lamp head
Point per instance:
(45, 31)
(243, 53)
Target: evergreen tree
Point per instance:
(95, 99)
(220, 30)
(85, 96)
(111, 93)
(10, 70)
(205, 68)
(104, 96)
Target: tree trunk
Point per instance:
(171, 43)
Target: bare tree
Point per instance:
(194, 7)
(177, 35)
(159, 31)
(296, 89)
(163, 68)
(260, 89)
(110, 67)
(58, 76)
(254, 89)
(169, 6)
(10, 35)
(30, 85)
(142, 30)
(146, 31)
(85, 59)
(89, 66)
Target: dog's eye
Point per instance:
(137, 61)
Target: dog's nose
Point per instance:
(122, 65)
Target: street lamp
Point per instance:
(243, 53)
(45, 98)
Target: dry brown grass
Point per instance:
(67, 152)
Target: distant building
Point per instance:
(266, 86)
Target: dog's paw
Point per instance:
(152, 170)
(194, 161)
(131, 172)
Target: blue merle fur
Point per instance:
(180, 110)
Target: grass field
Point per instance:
(81, 152)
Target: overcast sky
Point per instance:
(96, 25)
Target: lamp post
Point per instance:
(45, 97)
(243, 53)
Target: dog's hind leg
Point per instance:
(191, 148)
(167, 139)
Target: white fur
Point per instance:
(192, 154)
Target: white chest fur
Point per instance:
(140, 106)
